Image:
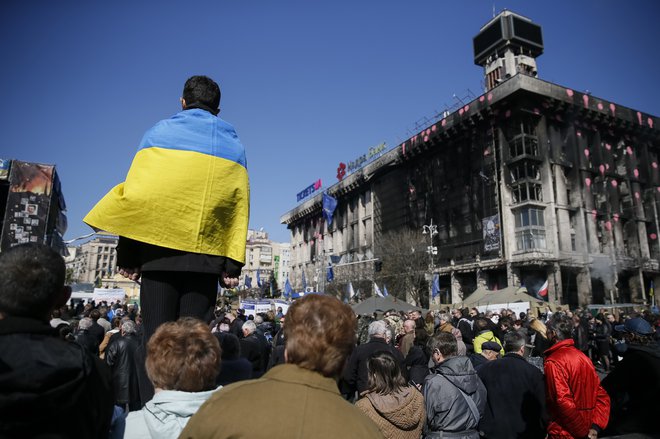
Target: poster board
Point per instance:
(108, 295)
(253, 307)
(283, 304)
(516, 307)
(28, 203)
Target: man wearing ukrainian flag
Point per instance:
(182, 212)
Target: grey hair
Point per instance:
(128, 327)
(513, 341)
(377, 329)
(85, 323)
(249, 326)
(444, 317)
(258, 320)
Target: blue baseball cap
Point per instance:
(637, 325)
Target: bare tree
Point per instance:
(405, 265)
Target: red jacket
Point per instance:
(575, 398)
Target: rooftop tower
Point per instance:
(507, 45)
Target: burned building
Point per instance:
(530, 184)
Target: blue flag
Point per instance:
(248, 281)
(350, 291)
(329, 206)
(304, 281)
(258, 277)
(287, 288)
(331, 273)
(435, 288)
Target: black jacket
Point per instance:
(355, 373)
(48, 386)
(87, 341)
(581, 337)
(417, 364)
(97, 331)
(477, 360)
(120, 356)
(252, 348)
(515, 399)
(465, 326)
(131, 254)
(236, 327)
(541, 344)
(634, 389)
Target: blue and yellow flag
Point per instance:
(187, 189)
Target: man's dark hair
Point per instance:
(480, 324)
(505, 322)
(95, 314)
(445, 343)
(202, 92)
(31, 280)
(561, 325)
(513, 341)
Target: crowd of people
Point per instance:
(318, 371)
(173, 368)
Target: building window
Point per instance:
(527, 191)
(530, 239)
(530, 229)
(524, 170)
(523, 145)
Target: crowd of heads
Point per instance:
(320, 333)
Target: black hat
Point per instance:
(637, 325)
(491, 346)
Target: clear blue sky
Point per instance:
(307, 84)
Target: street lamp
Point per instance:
(431, 230)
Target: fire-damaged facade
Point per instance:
(530, 184)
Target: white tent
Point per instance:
(514, 298)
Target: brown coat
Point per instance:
(399, 415)
(287, 402)
(406, 343)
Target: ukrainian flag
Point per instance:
(187, 189)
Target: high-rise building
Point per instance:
(93, 260)
(266, 259)
(530, 184)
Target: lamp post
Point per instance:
(431, 230)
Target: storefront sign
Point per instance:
(357, 163)
(309, 190)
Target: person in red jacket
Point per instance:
(578, 405)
